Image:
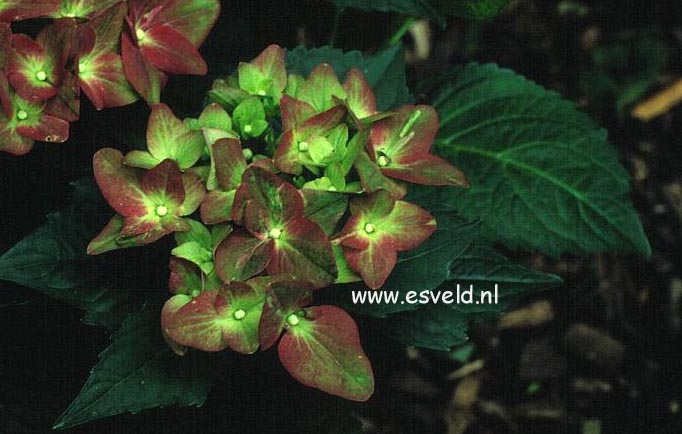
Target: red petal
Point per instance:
(171, 52)
(18, 10)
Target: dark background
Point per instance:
(607, 359)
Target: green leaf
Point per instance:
(385, 71)
(53, 260)
(415, 8)
(442, 326)
(542, 174)
(139, 371)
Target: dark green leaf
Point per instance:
(543, 176)
(441, 326)
(53, 260)
(473, 9)
(414, 8)
(385, 71)
(139, 371)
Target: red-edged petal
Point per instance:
(294, 112)
(217, 207)
(192, 18)
(359, 95)
(241, 256)
(230, 163)
(171, 52)
(282, 298)
(17, 10)
(323, 351)
(427, 170)
(195, 191)
(119, 184)
(271, 63)
(48, 129)
(269, 192)
(164, 183)
(104, 82)
(374, 264)
(406, 135)
(145, 78)
(303, 250)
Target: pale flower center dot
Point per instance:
(239, 314)
(369, 228)
(140, 34)
(161, 210)
(382, 161)
(303, 146)
(21, 115)
(41, 75)
(275, 233)
(262, 92)
(293, 319)
(248, 128)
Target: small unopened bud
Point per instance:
(247, 153)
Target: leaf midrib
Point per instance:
(541, 174)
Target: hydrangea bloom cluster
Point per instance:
(114, 51)
(283, 185)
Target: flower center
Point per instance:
(303, 146)
(239, 314)
(21, 115)
(161, 210)
(41, 75)
(275, 233)
(293, 320)
(248, 128)
(383, 161)
(140, 34)
(262, 92)
(370, 228)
